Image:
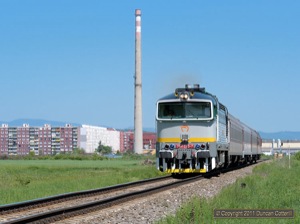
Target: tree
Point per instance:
(103, 149)
(78, 151)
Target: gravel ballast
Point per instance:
(158, 206)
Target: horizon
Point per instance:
(21, 121)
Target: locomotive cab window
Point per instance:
(185, 110)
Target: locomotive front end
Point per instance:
(186, 131)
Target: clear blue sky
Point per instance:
(73, 61)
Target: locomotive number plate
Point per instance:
(188, 146)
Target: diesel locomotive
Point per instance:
(197, 134)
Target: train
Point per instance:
(197, 134)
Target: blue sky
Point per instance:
(73, 60)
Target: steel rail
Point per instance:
(72, 195)
(59, 214)
(62, 213)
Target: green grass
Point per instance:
(22, 180)
(271, 186)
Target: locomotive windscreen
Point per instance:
(185, 110)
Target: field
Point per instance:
(22, 180)
(271, 186)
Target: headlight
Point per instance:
(184, 96)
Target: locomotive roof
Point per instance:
(196, 95)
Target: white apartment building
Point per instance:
(90, 136)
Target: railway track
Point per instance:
(15, 213)
(52, 209)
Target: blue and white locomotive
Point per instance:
(196, 134)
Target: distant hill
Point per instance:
(283, 135)
(41, 122)
(36, 123)
(145, 129)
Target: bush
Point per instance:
(297, 156)
(133, 156)
(4, 157)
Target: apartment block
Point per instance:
(127, 141)
(22, 139)
(44, 140)
(49, 140)
(90, 136)
(4, 139)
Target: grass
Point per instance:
(22, 180)
(271, 186)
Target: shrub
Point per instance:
(4, 157)
(297, 156)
